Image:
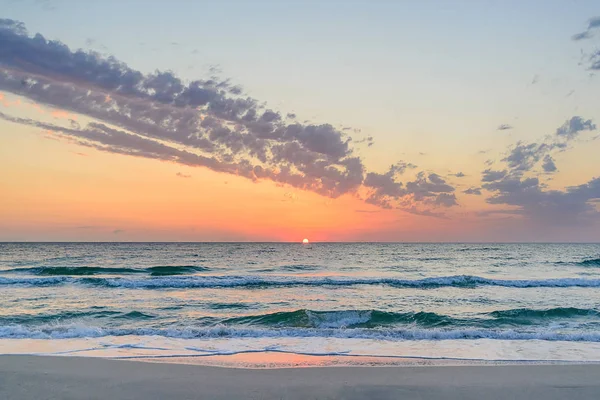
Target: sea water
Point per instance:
(490, 302)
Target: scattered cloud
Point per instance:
(593, 24)
(535, 79)
(182, 175)
(582, 35)
(574, 126)
(595, 61)
(118, 231)
(368, 140)
(504, 127)
(530, 198)
(549, 166)
(427, 189)
(458, 175)
(524, 157)
(491, 176)
(473, 191)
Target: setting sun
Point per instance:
(305, 241)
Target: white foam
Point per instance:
(338, 319)
(71, 331)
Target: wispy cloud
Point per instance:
(593, 24)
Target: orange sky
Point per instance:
(411, 145)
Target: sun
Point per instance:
(305, 241)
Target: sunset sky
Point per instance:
(276, 121)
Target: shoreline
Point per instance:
(270, 360)
(50, 377)
(276, 359)
(279, 360)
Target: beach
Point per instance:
(31, 377)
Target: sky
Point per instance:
(276, 121)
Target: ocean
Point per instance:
(201, 301)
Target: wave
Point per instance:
(342, 319)
(135, 315)
(299, 267)
(86, 271)
(594, 262)
(72, 331)
(338, 319)
(460, 281)
(290, 267)
(377, 318)
(175, 270)
(530, 314)
(59, 271)
(479, 249)
(36, 319)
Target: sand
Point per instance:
(31, 377)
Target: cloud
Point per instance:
(182, 175)
(473, 191)
(582, 35)
(524, 157)
(593, 24)
(530, 198)
(547, 207)
(592, 58)
(118, 231)
(205, 123)
(572, 127)
(431, 189)
(595, 61)
(504, 127)
(427, 189)
(368, 140)
(535, 79)
(445, 200)
(491, 176)
(549, 165)
(458, 175)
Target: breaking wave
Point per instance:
(72, 331)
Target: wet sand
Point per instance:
(34, 377)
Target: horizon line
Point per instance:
(288, 242)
